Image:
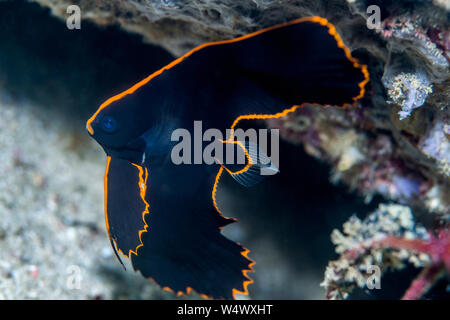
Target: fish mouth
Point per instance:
(89, 128)
(134, 151)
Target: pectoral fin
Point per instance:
(250, 163)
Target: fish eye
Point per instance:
(109, 124)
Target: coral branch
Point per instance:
(424, 281)
(437, 248)
(386, 238)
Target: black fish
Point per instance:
(164, 217)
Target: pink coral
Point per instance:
(386, 239)
(437, 248)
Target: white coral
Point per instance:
(409, 91)
(342, 275)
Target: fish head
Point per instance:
(118, 128)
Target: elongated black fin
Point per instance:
(205, 261)
(259, 75)
(125, 204)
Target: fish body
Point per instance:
(164, 216)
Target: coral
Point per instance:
(409, 91)
(387, 238)
(370, 163)
(409, 29)
(437, 248)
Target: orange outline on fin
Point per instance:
(245, 272)
(235, 291)
(320, 20)
(247, 156)
(331, 30)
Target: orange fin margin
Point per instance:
(143, 176)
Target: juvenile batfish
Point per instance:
(163, 216)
